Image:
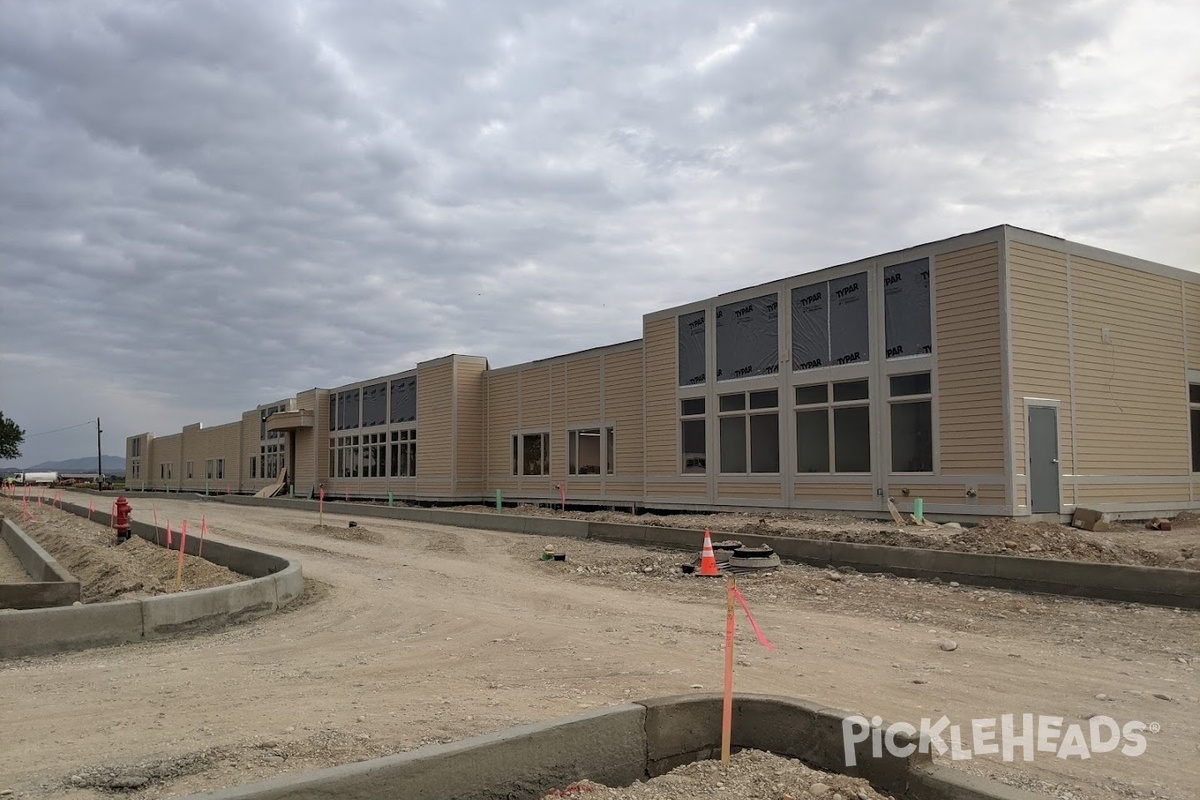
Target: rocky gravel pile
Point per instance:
(751, 774)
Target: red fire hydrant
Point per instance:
(122, 521)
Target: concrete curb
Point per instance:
(275, 582)
(620, 745)
(51, 585)
(1160, 586)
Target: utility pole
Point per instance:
(99, 459)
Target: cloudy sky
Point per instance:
(209, 205)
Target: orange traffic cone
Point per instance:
(708, 560)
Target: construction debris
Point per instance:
(277, 488)
(1158, 524)
(1089, 519)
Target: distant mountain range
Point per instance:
(112, 465)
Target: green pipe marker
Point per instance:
(390, 500)
(919, 509)
(497, 499)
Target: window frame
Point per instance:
(518, 443)
(606, 433)
(747, 411)
(915, 398)
(682, 419)
(831, 406)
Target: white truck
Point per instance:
(35, 478)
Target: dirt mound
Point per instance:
(355, 534)
(751, 773)
(110, 571)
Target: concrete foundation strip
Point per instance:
(51, 585)
(275, 582)
(623, 744)
(1159, 586)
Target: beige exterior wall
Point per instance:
(502, 391)
(167, 462)
(304, 444)
(623, 392)
(435, 383)
(1039, 330)
(592, 389)
(970, 385)
(1191, 300)
(1111, 340)
(469, 474)
(660, 377)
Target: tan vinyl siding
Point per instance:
(623, 407)
(167, 451)
(321, 432)
(660, 379)
(469, 426)
(1133, 493)
(1131, 397)
(1191, 293)
(535, 398)
(943, 494)
(304, 441)
(835, 492)
(681, 488)
(969, 361)
(732, 490)
(558, 421)
(1041, 367)
(581, 399)
(251, 445)
(433, 427)
(502, 420)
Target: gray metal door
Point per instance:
(1043, 460)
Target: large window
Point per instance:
(1194, 398)
(830, 323)
(748, 338)
(190, 470)
(374, 405)
(220, 468)
(531, 453)
(591, 451)
(136, 448)
(374, 455)
(271, 457)
(907, 324)
(692, 436)
(404, 454)
(692, 350)
(749, 427)
(911, 401)
(208, 469)
(847, 440)
(346, 407)
(404, 400)
(347, 457)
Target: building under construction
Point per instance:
(1001, 372)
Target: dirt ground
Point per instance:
(1125, 543)
(412, 634)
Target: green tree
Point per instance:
(11, 437)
